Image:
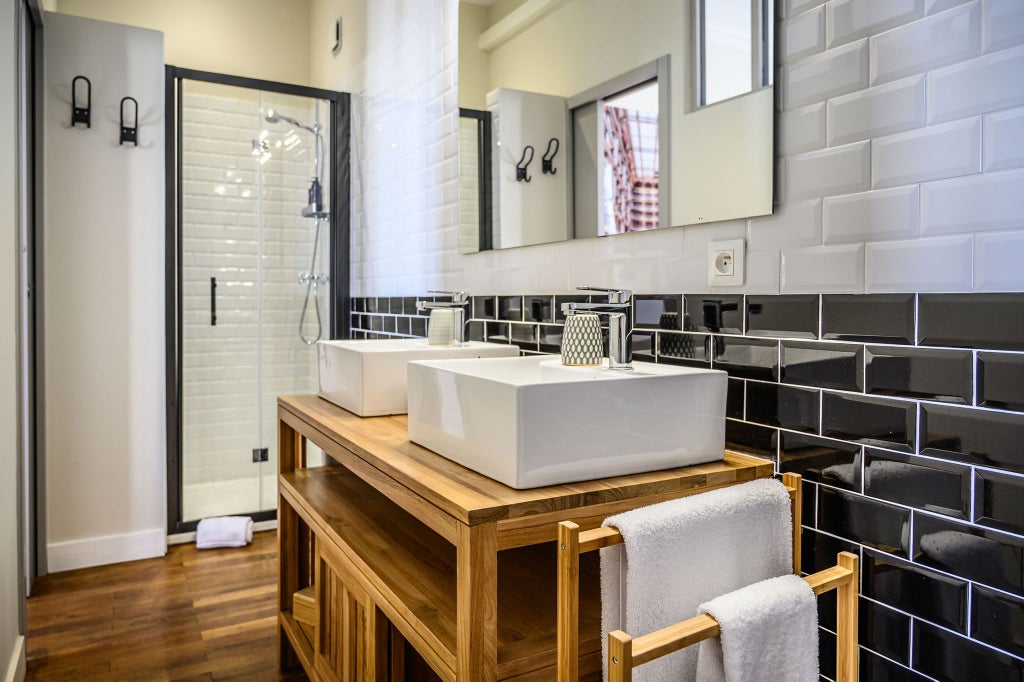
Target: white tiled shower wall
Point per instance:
(222, 399)
(900, 145)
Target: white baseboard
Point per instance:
(16, 666)
(106, 549)
(185, 538)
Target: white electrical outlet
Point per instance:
(726, 262)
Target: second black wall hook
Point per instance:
(81, 114)
(523, 164)
(130, 133)
(548, 159)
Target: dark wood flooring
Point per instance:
(192, 615)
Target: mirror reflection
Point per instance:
(588, 118)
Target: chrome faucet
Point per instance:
(458, 304)
(620, 323)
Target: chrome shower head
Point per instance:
(273, 116)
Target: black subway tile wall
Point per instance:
(903, 412)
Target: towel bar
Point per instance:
(632, 652)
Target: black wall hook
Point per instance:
(524, 164)
(81, 114)
(548, 159)
(130, 133)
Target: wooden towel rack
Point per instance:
(625, 652)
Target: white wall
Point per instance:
(12, 661)
(899, 167)
(104, 294)
(266, 39)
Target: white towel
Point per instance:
(769, 634)
(224, 531)
(678, 554)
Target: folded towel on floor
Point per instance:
(678, 554)
(769, 633)
(224, 531)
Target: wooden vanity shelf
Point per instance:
(405, 548)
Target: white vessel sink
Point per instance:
(531, 421)
(367, 376)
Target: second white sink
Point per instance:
(531, 421)
(367, 376)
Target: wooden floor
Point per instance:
(191, 615)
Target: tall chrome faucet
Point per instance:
(458, 304)
(618, 309)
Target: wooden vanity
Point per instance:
(416, 561)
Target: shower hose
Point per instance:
(312, 282)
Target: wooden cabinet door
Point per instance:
(352, 634)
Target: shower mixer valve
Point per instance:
(307, 277)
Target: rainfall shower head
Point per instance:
(273, 116)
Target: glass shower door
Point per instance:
(247, 160)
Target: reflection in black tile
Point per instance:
(418, 327)
(497, 332)
(946, 656)
(991, 321)
(974, 436)
(877, 669)
(881, 629)
(734, 399)
(376, 323)
(485, 307)
(999, 501)
(863, 520)
(758, 440)
(510, 308)
(818, 551)
(988, 557)
(569, 298)
(524, 336)
(358, 304)
(917, 591)
(791, 316)
(396, 305)
(474, 330)
(715, 313)
(809, 504)
(998, 619)
(658, 311)
(409, 305)
(373, 307)
(747, 358)
(683, 349)
(785, 406)
(402, 325)
(551, 338)
(873, 421)
(826, 365)
(880, 318)
(1001, 380)
(390, 324)
(826, 654)
(929, 484)
(643, 347)
(920, 373)
(834, 462)
(538, 308)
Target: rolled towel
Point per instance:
(769, 632)
(224, 531)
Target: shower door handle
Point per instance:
(213, 301)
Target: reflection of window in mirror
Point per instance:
(629, 174)
(733, 48)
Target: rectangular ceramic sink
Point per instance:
(367, 376)
(531, 421)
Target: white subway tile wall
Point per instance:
(934, 62)
(222, 397)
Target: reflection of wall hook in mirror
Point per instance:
(129, 133)
(81, 114)
(523, 164)
(548, 159)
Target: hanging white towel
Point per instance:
(678, 554)
(769, 634)
(224, 531)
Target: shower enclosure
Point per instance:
(257, 273)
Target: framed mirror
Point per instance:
(590, 118)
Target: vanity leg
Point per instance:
(477, 604)
(291, 448)
(288, 573)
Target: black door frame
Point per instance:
(339, 225)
